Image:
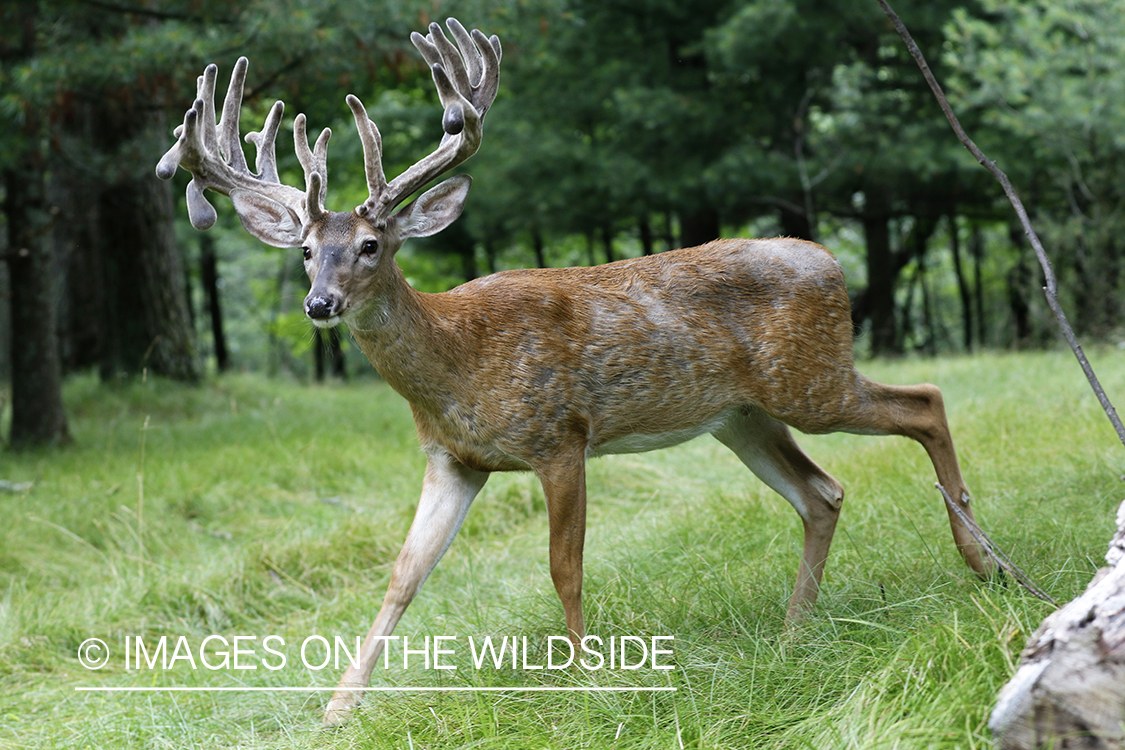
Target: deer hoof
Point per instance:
(339, 711)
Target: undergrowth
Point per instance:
(253, 507)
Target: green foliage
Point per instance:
(1044, 78)
(792, 117)
(249, 506)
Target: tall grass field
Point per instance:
(221, 515)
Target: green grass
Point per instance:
(255, 507)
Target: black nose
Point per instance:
(320, 307)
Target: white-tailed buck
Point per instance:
(540, 370)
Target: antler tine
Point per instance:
(191, 149)
(320, 163)
(314, 195)
(230, 142)
(314, 162)
(212, 151)
(205, 92)
(425, 45)
(301, 144)
(473, 65)
(451, 59)
(469, 52)
(461, 142)
(266, 143)
(484, 92)
(201, 213)
(467, 78)
(372, 151)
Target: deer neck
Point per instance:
(410, 342)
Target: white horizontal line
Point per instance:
(514, 689)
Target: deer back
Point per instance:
(627, 356)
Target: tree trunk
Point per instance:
(607, 242)
(962, 283)
(127, 307)
(1111, 300)
(537, 246)
(82, 304)
(209, 275)
(929, 345)
(1019, 280)
(795, 223)
(5, 316)
(906, 310)
(644, 229)
(490, 253)
(280, 357)
(919, 241)
(1019, 287)
(337, 351)
(699, 227)
(327, 350)
(189, 299)
(976, 249)
(669, 234)
(318, 355)
(1069, 690)
(148, 309)
(1084, 306)
(461, 242)
(37, 408)
(879, 298)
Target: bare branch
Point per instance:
(1051, 289)
(994, 550)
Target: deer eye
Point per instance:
(369, 247)
(307, 253)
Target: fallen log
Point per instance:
(1069, 690)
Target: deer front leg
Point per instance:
(447, 491)
(564, 485)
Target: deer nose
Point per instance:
(320, 307)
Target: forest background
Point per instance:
(621, 128)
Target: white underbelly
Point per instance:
(644, 442)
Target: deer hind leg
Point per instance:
(918, 412)
(447, 491)
(564, 485)
(766, 446)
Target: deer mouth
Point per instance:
(328, 322)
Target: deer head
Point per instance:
(348, 255)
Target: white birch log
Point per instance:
(1069, 690)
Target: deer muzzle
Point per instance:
(323, 309)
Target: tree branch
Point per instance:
(1051, 288)
(269, 80)
(149, 12)
(993, 549)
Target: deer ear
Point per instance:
(434, 209)
(266, 219)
